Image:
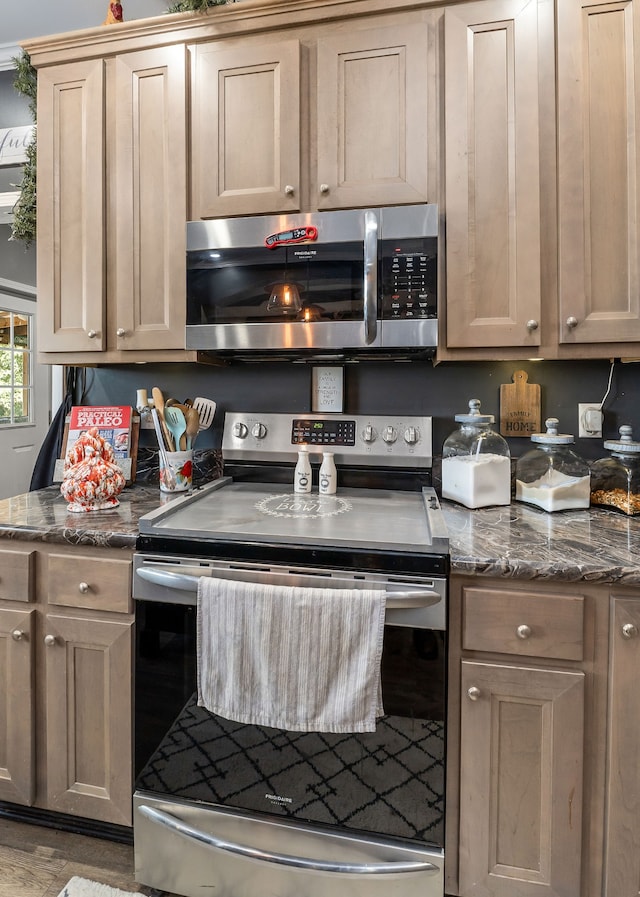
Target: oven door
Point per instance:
(248, 810)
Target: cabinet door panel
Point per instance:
(70, 245)
(492, 174)
(147, 228)
(599, 170)
(246, 129)
(88, 671)
(622, 866)
(520, 781)
(372, 117)
(17, 732)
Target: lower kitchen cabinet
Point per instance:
(622, 863)
(527, 738)
(66, 692)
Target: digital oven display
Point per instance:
(311, 431)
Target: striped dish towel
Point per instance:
(302, 659)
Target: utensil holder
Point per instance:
(176, 471)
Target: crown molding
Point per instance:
(7, 53)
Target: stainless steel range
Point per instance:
(239, 810)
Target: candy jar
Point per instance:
(551, 475)
(615, 480)
(476, 465)
(91, 480)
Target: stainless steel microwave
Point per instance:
(325, 284)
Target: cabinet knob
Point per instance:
(120, 331)
(83, 587)
(523, 631)
(532, 325)
(324, 188)
(629, 630)
(49, 640)
(17, 635)
(289, 191)
(474, 693)
(92, 334)
(572, 322)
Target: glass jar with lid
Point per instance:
(476, 463)
(615, 481)
(551, 475)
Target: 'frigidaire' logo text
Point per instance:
(278, 799)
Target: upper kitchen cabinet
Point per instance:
(336, 119)
(245, 146)
(492, 179)
(112, 204)
(372, 90)
(599, 170)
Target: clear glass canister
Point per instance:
(615, 481)
(551, 475)
(476, 463)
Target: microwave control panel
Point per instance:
(409, 278)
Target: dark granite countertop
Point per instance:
(522, 542)
(42, 516)
(517, 541)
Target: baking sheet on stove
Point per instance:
(270, 512)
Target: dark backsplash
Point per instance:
(416, 388)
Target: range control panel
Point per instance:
(378, 440)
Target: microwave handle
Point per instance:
(370, 286)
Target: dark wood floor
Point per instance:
(38, 862)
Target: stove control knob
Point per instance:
(259, 431)
(389, 434)
(240, 430)
(411, 435)
(368, 434)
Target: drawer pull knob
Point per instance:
(17, 635)
(92, 334)
(572, 322)
(532, 325)
(120, 331)
(324, 188)
(523, 631)
(83, 587)
(474, 693)
(49, 640)
(629, 630)
(289, 191)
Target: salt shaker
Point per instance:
(302, 474)
(328, 476)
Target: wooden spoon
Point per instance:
(193, 425)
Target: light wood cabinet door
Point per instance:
(148, 200)
(71, 207)
(88, 669)
(17, 730)
(622, 860)
(372, 89)
(599, 170)
(520, 781)
(492, 179)
(245, 141)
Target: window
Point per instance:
(16, 368)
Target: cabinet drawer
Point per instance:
(527, 624)
(90, 582)
(16, 575)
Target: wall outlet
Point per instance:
(589, 421)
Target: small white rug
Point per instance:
(82, 887)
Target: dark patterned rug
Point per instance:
(390, 781)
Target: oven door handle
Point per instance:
(184, 582)
(188, 831)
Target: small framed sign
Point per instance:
(14, 143)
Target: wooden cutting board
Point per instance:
(520, 406)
